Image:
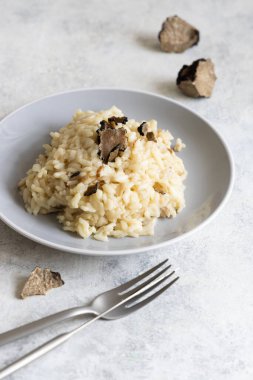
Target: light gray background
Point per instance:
(202, 328)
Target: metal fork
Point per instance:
(113, 304)
(101, 303)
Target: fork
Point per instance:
(113, 304)
(101, 303)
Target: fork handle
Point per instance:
(29, 328)
(46, 347)
(35, 354)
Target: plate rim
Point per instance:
(118, 252)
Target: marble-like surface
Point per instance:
(202, 328)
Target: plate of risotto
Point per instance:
(110, 171)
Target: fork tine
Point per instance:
(137, 288)
(131, 309)
(135, 280)
(150, 287)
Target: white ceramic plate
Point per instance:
(207, 160)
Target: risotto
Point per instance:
(104, 175)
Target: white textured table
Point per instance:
(202, 328)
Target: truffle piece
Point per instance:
(177, 35)
(113, 121)
(40, 281)
(118, 119)
(143, 131)
(114, 153)
(92, 189)
(197, 80)
(143, 128)
(73, 175)
(111, 142)
(151, 136)
(104, 124)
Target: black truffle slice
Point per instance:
(111, 142)
(76, 174)
(143, 131)
(118, 119)
(114, 153)
(112, 122)
(143, 128)
(104, 124)
(92, 189)
(151, 136)
(177, 35)
(198, 79)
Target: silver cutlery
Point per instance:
(113, 304)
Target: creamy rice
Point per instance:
(144, 182)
